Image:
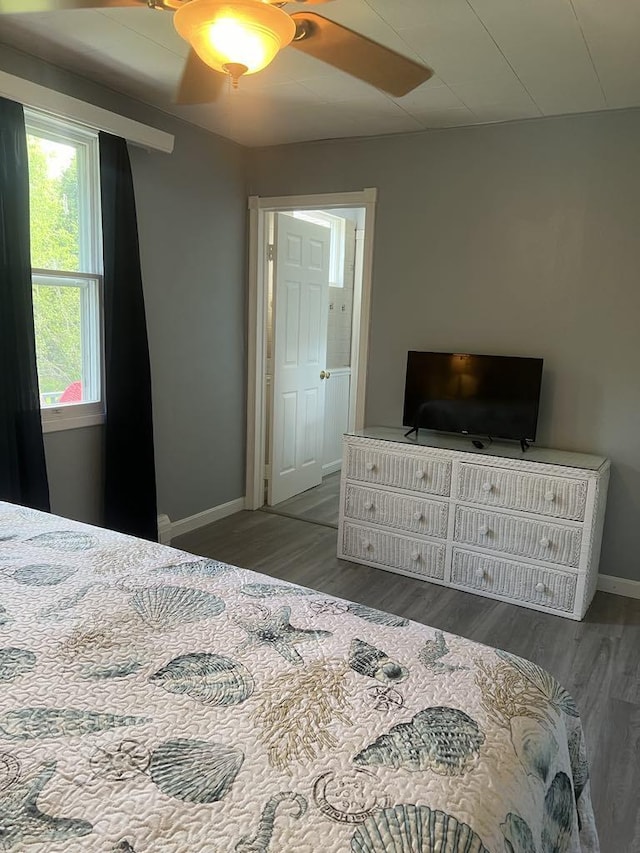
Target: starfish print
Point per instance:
(22, 822)
(432, 652)
(275, 630)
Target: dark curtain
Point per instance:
(23, 472)
(130, 484)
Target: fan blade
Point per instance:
(199, 84)
(8, 7)
(357, 55)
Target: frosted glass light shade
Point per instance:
(245, 33)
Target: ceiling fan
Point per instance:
(230, 38)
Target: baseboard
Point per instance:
(619, 586)
(164, 530)
(331, 468)
(200, 519)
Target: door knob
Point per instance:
(324, 374)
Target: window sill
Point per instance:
(56, 420)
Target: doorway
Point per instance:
(310, 283)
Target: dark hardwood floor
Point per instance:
(598, 660)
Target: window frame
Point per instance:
(89, 278)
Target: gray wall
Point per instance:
(515, 239)
(192, 225)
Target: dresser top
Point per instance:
(508, 450)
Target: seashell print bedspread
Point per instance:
(156, 702)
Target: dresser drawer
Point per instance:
(521, 537)
(560, 498)
(397, 552)
(400, 470)
(415, 515)
(514, 581)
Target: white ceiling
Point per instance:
(494, 60)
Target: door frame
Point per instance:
(257, 319)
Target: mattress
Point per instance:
(157, 702)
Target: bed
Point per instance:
(157, 702)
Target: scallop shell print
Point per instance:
(42, 575)
(65, 540)
(209, 678)
(367, 660)
(378, 617)
(415, 829)
(441, 739)
(15, 662)
(195, 771)
(166, 606)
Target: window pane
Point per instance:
(61, 325)
(54, 202)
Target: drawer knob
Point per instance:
(483, 530)
(368, 505)
(545, 541)
(487, 487)
(480, 574)
(540, 587)
(420, 475)
(418, 516)
(371, 466)
(549, 497)
(415, 556)
(367, 545)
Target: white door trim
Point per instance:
(257, 314)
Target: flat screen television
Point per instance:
(484, 395)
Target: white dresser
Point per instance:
(521, 527)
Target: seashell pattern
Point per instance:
(122, 669)
(195, 568)
(578, 762)
(367, 660)
(534, 745)
(42, 575)
(415, 829)
(128, 759)
(432, 653)
(517, 835)
(259, 843)
(57, 610)
(209, 678)
(441, 739)
(23, 823)
(195, 771)
(272, 590)
(4, 616)
(378, 617)
(15, 662)
(543, 681)
(166, 606)
(558, 816)
(65, 540)
(39, 723)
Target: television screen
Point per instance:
(481, 395)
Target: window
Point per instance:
(336, 241)
(66, 260)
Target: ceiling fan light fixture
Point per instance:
(233, 36)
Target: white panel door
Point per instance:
(301, 295)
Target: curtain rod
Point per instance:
(64, 106)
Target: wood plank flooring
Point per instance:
(320, 504)
(598, 660)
